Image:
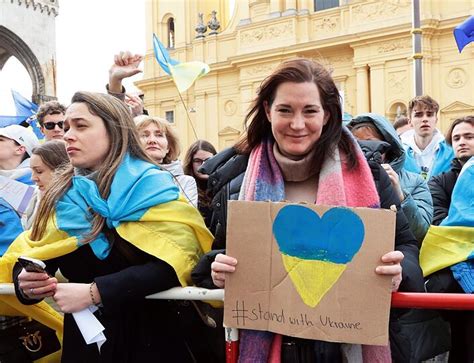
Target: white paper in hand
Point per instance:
(90, 326)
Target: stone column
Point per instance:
(275, 8)
(290, 8)
(377, 88)
(362, 89)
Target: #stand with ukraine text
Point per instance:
(309, 271)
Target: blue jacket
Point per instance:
(417, 205)
(10, 225)
(441, 164)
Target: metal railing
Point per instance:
(399, 300)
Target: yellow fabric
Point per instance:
(174, 232)
(166, 231)
(444, 247)
(185, 74)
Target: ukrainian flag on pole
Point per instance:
(183, 74)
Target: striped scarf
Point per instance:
(338, 186)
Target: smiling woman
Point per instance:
(296, 149)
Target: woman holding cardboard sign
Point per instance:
(296, 149)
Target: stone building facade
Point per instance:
(27, 31)
(366, 44)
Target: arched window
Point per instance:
(171, 33)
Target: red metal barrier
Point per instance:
(432, 301)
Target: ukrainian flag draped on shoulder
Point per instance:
(451, 244)
(145, 208)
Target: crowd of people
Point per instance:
(121, 216)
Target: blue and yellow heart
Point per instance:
(316, 250)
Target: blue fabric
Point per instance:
(162, 56)
(136, 187)
(442, 162)
(26, 179)
(463, 272)
(461, 213)
(10, 225)
(11, 120)
(461, 209)
(24, 107)
(464, 33)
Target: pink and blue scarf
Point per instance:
(337, 186)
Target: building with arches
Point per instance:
(27, 32)
(367, 45)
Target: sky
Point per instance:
(88, 34)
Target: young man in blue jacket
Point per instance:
(427, 153)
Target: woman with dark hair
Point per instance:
(116, 226)
(198, 153)
(296, 149)
(45, 161)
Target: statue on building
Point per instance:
(213, 24)
(200, 27)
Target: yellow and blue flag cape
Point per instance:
(183, 74)
(452, 242)
(145, 208)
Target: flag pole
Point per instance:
(187, 112)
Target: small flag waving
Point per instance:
(28, 110)
(183, 74)
(24, 109)
(464, 33)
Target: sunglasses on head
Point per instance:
(51, 125)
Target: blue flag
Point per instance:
(24, 107)
(464, 33)
(11, 120)
(25, 111)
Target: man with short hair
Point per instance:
(461, 137)
(51, 119)
(16, 146)
(427, 153)
(457, 278)
(401, 125)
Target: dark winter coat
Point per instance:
(137, 329)
(441, 188)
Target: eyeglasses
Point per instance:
(199, 161)
(51, 125)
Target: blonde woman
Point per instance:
(162, 145)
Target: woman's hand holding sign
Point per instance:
(222, 265)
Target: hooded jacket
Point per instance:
(417, 205)
(442, 159)
(186, 183)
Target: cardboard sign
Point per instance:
(309, 271)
